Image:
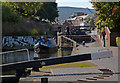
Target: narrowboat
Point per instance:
(45, 45)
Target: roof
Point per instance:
(85, 16)
(72, 18)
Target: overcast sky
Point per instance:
(74, 3)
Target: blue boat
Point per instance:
(45, 45)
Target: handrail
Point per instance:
(17, 51)
(70, 39)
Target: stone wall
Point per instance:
(80, 38)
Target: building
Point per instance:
(82, 20)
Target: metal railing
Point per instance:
(7, 54)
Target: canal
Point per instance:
(25, 54)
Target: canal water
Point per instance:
(25, 54)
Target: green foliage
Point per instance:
(34, 31)
(48, 11)
(108, 14)
(13, 12)
(8, 14)
(118, 41)
(28, 9)
(91, 22)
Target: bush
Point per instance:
(118, 41)
(9, 15)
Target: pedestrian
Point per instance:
(100, 35)
(83, 43)
(103, 34)
(68, 32)
(36, 41)
(36, 47)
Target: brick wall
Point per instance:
(80, 13)
(111, 37)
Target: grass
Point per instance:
(70, 65)
(65, 65)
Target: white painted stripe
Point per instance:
(100, 55)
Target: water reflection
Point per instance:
(23, 56)
(14, 57)
(61, 52)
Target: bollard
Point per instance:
(35, 58)
(44, 80)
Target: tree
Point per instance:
(91, 22)
(48, 11)
(108, 14)
(9, 14)
(12, 12)
(28, 9)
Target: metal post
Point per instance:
(57, 38)
(28, 54)
(44, 80)
(104, 41)
(59, 41)
(20, 72)
(74, 45)
(35, 58)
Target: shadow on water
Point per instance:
(60, 52)
(23, 55)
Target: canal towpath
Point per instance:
(107, 63)
(75, 74)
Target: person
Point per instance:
(68, 30)
(100, 35)
(35, 54)
(35, 49)
(36, 41)
(103, 34)
(83, 42)
(59, 29)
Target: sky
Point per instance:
(74, 3)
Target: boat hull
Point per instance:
(45, 49)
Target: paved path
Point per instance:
(110, 63)
(64, 74)
(89, 47)
(75, 74)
